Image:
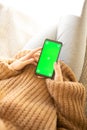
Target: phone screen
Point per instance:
(49, 55)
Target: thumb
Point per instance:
(58, 73)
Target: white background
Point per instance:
(46, 12)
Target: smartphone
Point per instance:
(49, 55)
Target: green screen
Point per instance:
(48, 57)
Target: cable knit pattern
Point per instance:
(30, 103)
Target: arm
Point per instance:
(69, 96)
(9, 68)
(5, 70)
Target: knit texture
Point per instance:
(30, 103)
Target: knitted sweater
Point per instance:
(30, 103)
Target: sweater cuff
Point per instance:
(66, 91)
(6, 71)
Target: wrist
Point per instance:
(13, 66)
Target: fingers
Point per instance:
(36, 59)
(36, 56)
(30, 54)
(33, 60)
(58, 74)
(34, 63)
(34, 51)
(18, 65)
(40, 77)
(28, 61)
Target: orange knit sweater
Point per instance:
(30, 103)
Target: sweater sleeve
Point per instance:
(69, 99)
(5, 70)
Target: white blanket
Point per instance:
(15, 31)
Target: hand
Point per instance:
(58, 73)
(30, 58)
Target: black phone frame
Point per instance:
(41, 54)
